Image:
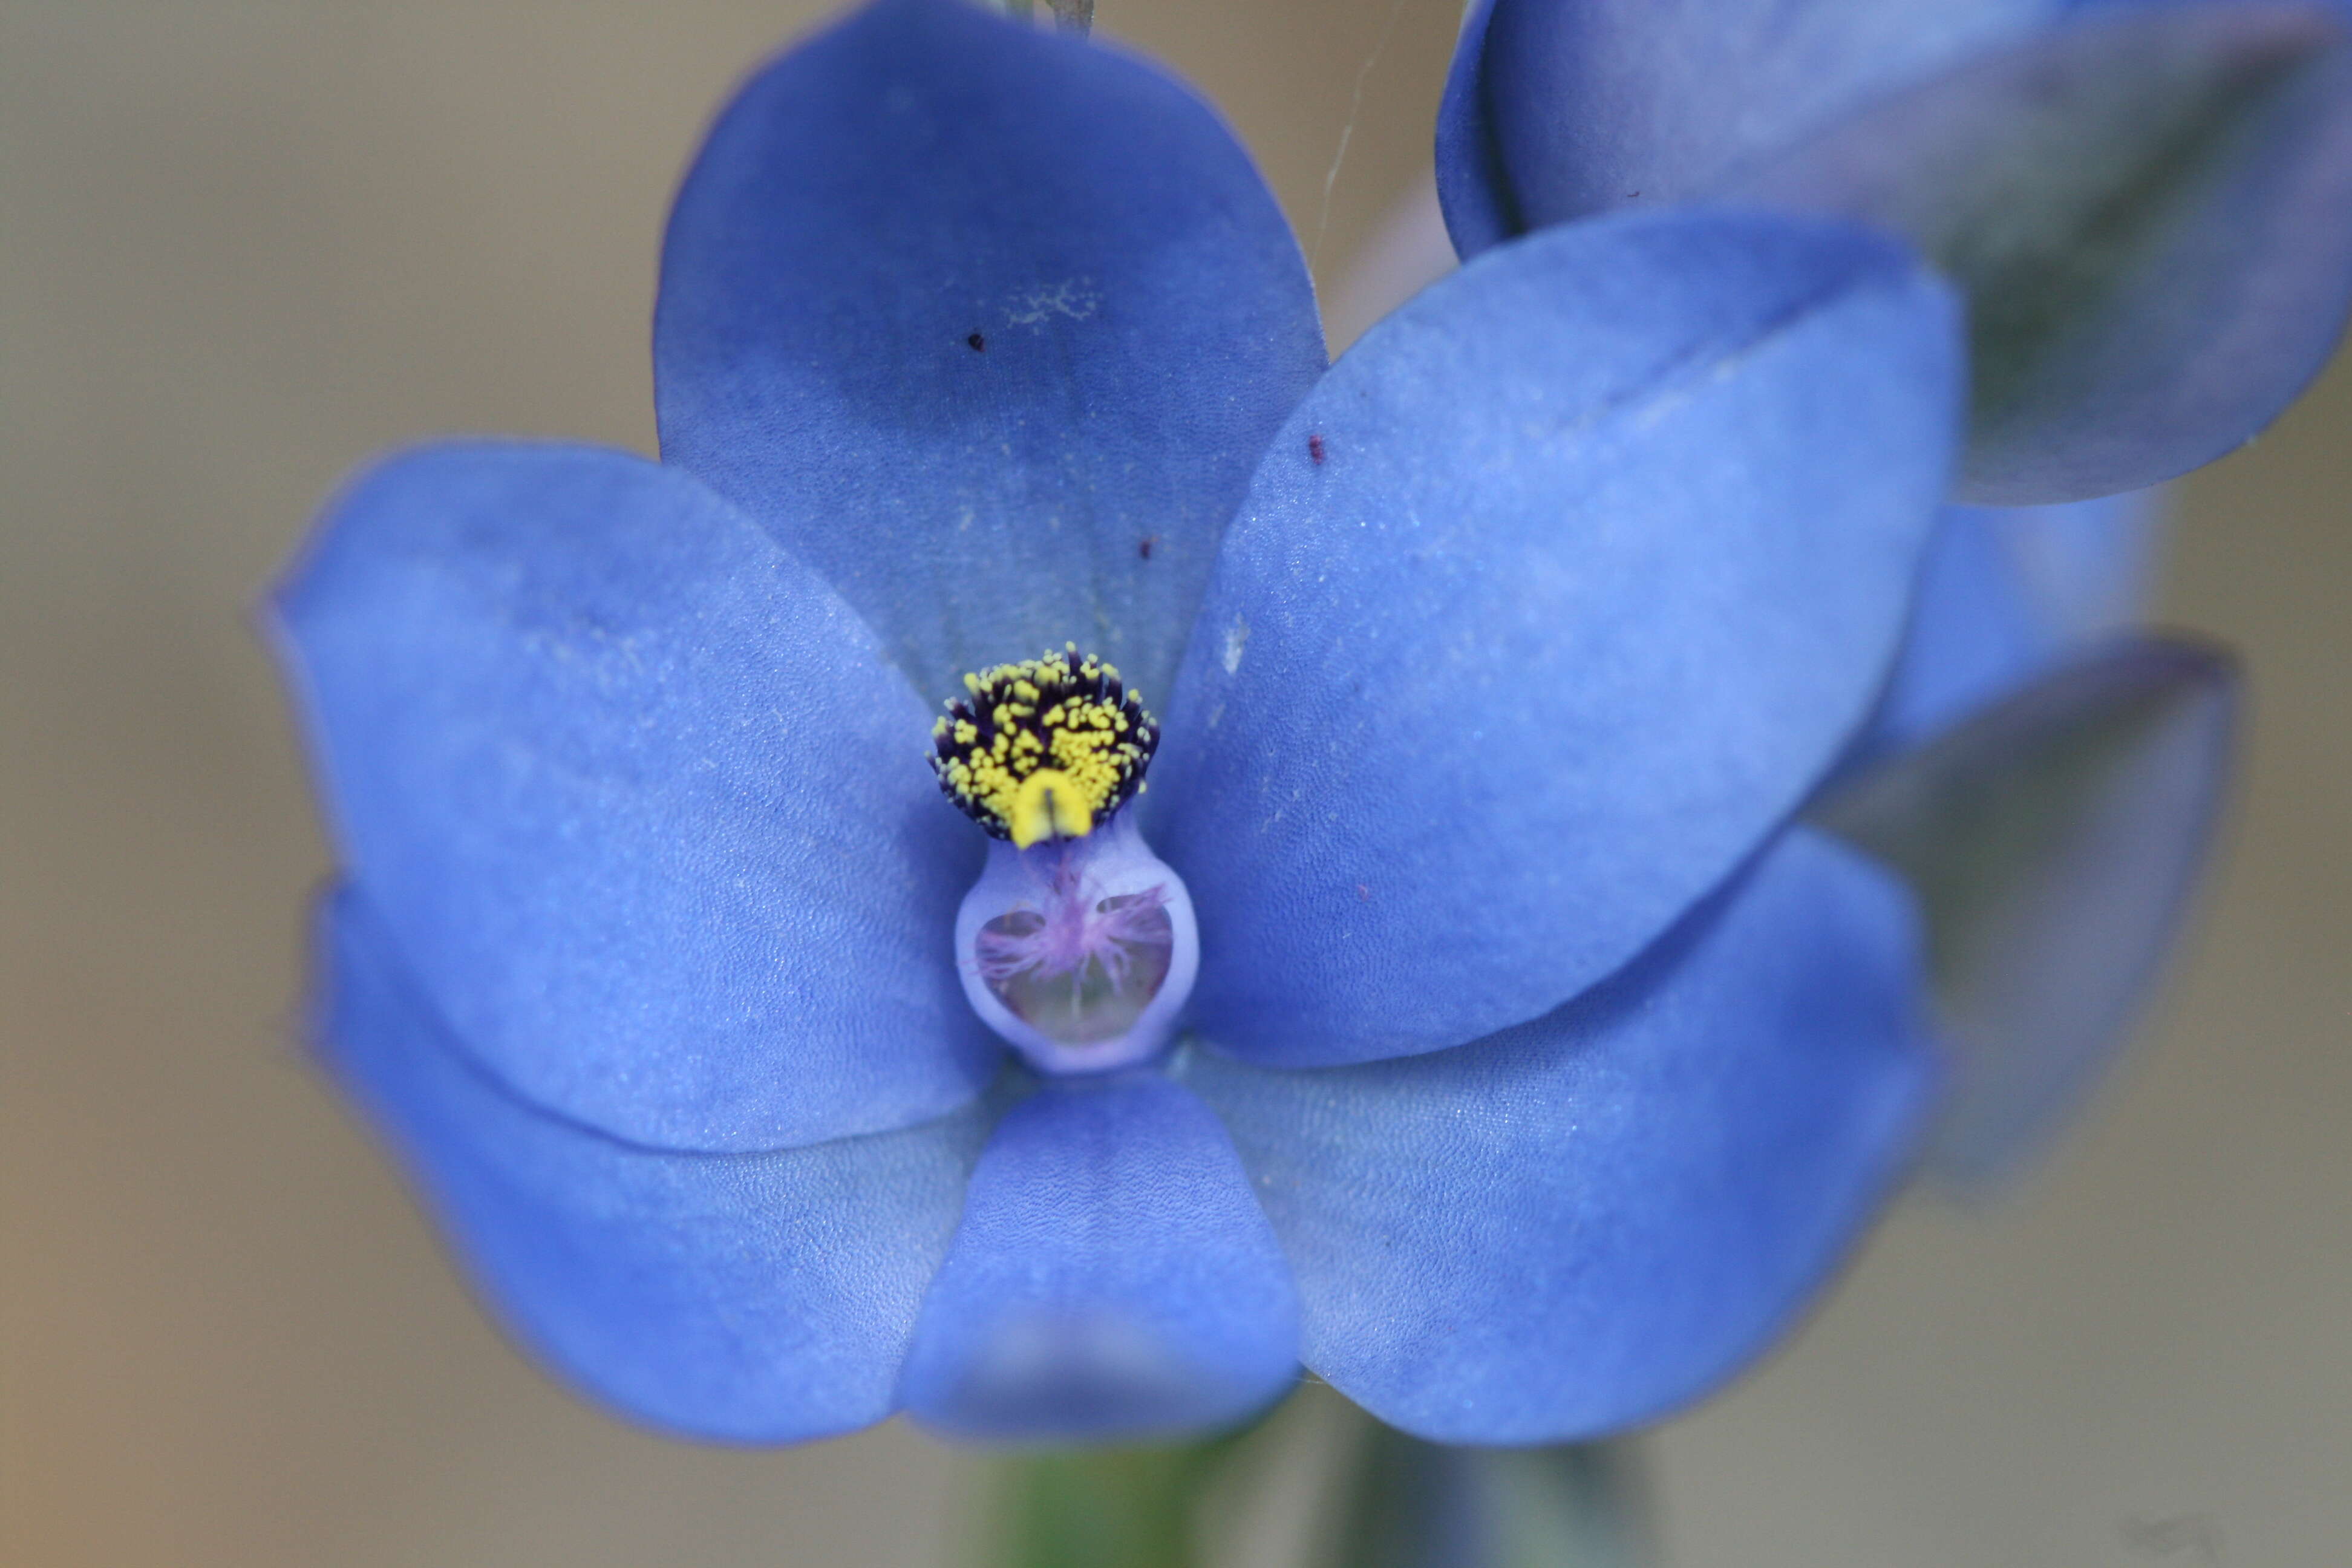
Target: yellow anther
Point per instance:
(1046, 748)
(1048, 804)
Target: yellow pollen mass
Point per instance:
(1048, 804)
(1047, 748)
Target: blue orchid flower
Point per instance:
(2148, 203)
(1538, 1063)
(2149, 209)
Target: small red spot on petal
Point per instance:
(1315, 447)
(1363, 893)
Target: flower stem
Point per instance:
(1100, 1508)
(1318, 1484)
(1411, 1504)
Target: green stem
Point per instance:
(1098, 1507)
(1316, 1483)
(1411, 1504)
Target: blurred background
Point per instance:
(245, 245)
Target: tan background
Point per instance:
(242, 245)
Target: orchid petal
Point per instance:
(2004, 591)
(987, 325)
(1561, 108)
(2151, 213)
(754, 1298)
(1473, 188)
(1590, 1220)
(2053, 842)
(640, 798)
(1564, 588)
(1113, 1277)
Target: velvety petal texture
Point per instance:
(989, 326)
(1113, 1277)
(2053, 842)
(753, 1297)
(1560, 108)
(2151, 213)
(1591, 1219)
(2006, 591)
(1565, 586)
(640, 800)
